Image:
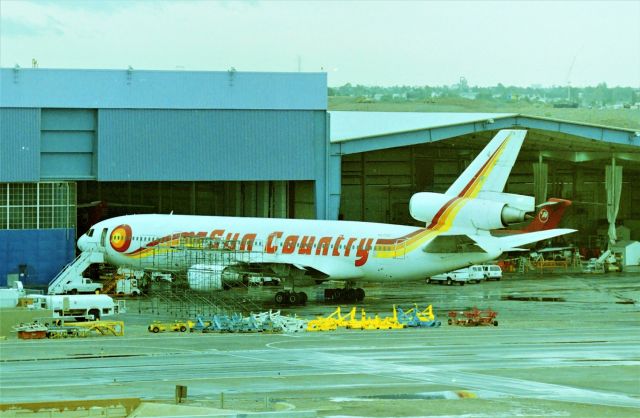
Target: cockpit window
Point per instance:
(90, 232)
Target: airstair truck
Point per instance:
(70, 279)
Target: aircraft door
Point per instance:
(103, 237)
(400, 249)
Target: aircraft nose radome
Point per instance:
(82, 241)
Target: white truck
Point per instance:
(128, 286)
(466, 275)
(79, 307)
(491, 272)
(83, 285)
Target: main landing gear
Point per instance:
(289, 297)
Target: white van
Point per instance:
(492, 272)
(471, 274)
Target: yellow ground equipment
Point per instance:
(373, 322)
(115, 328)
(175, 326)
(351, 321)
(330, 323)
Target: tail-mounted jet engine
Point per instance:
(490, 211)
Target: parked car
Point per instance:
(491, 272)
(469, 274)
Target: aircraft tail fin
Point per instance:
(489, 171)
(549, 215)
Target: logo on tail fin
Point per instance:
(543, 216)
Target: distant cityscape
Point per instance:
(600, 96)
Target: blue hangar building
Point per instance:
(79, 146)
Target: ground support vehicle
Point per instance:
(372, 323)
(115, 328)
(473, 317)
(275, 322)
(415, 317)
(491, 272)
(269, 321)
(175, 326)
(82, 285)
(65, 331)
(32, 331)
(472, 274)
(329, 323)
(78, 307)
(350, 321)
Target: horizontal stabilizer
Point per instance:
(518, 240)
(452, 244)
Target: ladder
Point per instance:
(73, 271)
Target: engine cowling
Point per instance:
(475, 213)
(424, 206)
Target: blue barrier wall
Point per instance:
(44, 251)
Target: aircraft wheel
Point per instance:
(450, 321)
(461, 283)
(280, 298)
(350, 295)
(293, 298)
(449, 281)
(359, 295)
(428, 280)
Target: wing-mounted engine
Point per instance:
(492, 211)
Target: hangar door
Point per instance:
(67, 141)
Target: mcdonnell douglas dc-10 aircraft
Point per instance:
(456, 234)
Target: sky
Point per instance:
(360, 42)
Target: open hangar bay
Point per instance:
(96, 144)
(79, 146)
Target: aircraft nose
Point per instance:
(82, 243)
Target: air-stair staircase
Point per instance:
(72, 272)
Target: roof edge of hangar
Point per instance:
(406, 126)
(574, 122)
(404, 134)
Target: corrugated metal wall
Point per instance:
(142, 89)
(19, 145)
(198, 145)
(43, 251)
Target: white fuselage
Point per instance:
(342, 250)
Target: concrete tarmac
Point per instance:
(566, 345)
